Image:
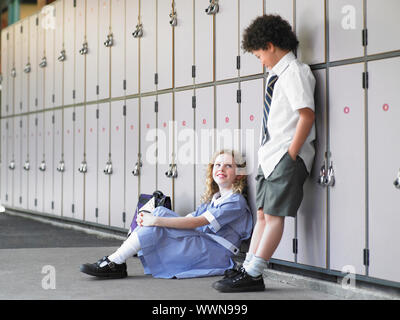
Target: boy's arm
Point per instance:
(304, 125)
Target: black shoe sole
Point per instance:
(103, 275)
(227, 289)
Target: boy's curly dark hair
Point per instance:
(269, 28)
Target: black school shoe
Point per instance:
(111, 270)
(242, 282)
(231, 273)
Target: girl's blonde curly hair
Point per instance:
(239, 186)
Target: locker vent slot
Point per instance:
(156, 78)
(73, 208)
(365, 37)
(156, 106)
(238, 62)
(124, 85)
(124, 111)
(239, 96)
(193, 71)
(97, 113)
(123, 217)
(97, 212)
(295, 246)
(194, 102)
(52, 205)
(366, 257)
(97, 90)
(365, 80)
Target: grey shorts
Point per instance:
(282, 192)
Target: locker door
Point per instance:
(284, 8)
(185, 153)
(68, 175)
(18, 68)
(384, 166)
(164, 45)
(33, 163)
(148, 145)
(4, 70)
(79, 180)
(103, 152)
(80, 63)
(92, 165)
(131, 157)
(58, 47)
(184, 43)
(383, 26)
(312, 216)
(25, 59)
(11, 67)
(92, 33)
(310, 29)
(24, 157)
(69, 46)
(118, 11)
(165, 131)
(33, 60)
(203, 39)
(41, 157)
(132, 48)
(58, 156)
(49, 33)
(347, 147)
(249, 10)
(10, 157)
(4, 158)
(17, 160)
(117, 182)
(226, 47)
(148, 46)
(104, 52)
(205, 146)
(345, 27)
(49, 156)
(227, 117)
(41, 49)
(251, 118)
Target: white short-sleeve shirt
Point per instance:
(293, 90)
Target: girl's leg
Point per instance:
(130, 247)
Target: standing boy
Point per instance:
(286, 153)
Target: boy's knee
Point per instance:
(273, 219)
(260, 216)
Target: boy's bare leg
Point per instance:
(257, 231)
(271, 236)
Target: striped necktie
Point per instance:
(267, 105)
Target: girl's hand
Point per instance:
(146, 219)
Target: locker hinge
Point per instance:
(156, 106)
(123, 217)
(22, 29)
(366, 257)
(52, 205)
(156, 78)
(8, 36)
(124, 85)
(54, 98)
(73, 116)
(364, 37)
(239, 96)
(73, 208)
(35, 202)
(20, 123)
(238, 62)
(194, 102)
(124, 111)
(97, 90)
(295, 246)
(97, 212)
(37, 21)
(74, 3)
(20, 200)
(7, 108)
(6, 196)
(20, 105)
(193, 71)
(365, 80)
(73, 94)
(53, 118)
(97, 113)
(36, 122)
(36, 102)
(7, 125)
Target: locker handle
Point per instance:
(27, 166)
(42, 166)
(110, 40)
(43, 63)
(27, 68)
(62, 57)
(136, 170)
(11, 166)
(213, 8)
(61, 166)
(83, 167)
(173, 19)
(397, 181)
(108, 169)
(13, 72)
(85, 49)
(331, 176)
(322, 175)
(138, 33)
(174, 171)
(168, 173)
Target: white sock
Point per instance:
(256, 266)
(130, 247)
(249, 256)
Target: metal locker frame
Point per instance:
(117, 178)
(226, 23)
(133, 158)
(184, 145)
(91, 180)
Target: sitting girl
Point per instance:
(199, 244)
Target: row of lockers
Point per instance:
(88, 50)
(354, 226)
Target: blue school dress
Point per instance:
(188, 253)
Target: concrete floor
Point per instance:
(40, 261)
